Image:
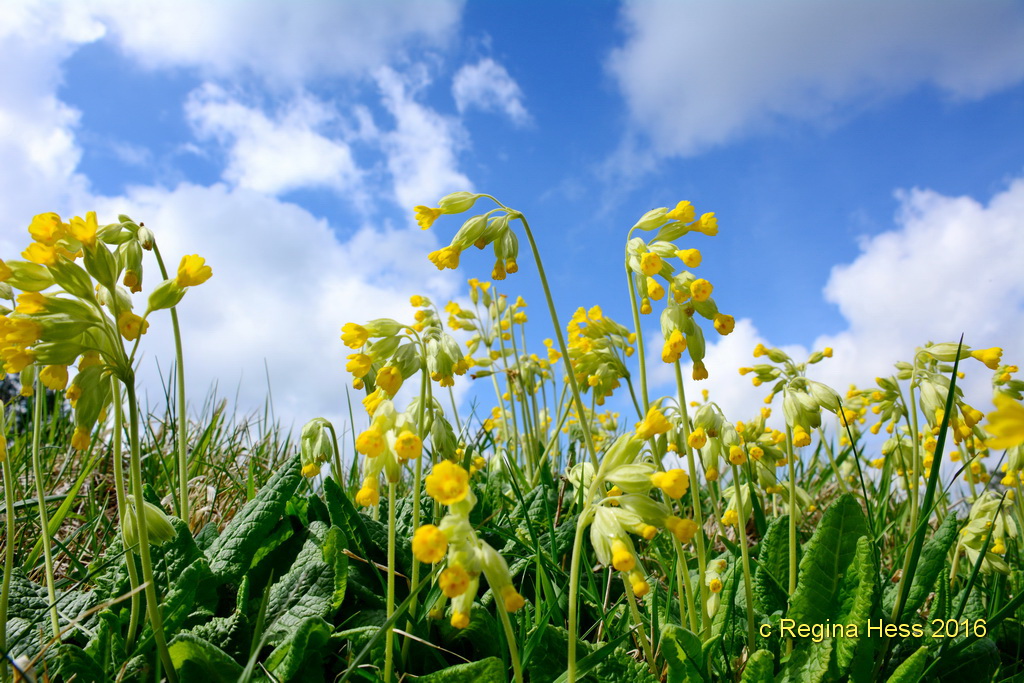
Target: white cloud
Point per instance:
(697, 74)
(422, 146)
(281, 42)
(488, 86)
(274, 155)
(950, 266)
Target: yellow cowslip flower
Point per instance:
(498, 272)
(736, 455)
(80, 439)
(519, 317)
(800, 437)
(707, 224)
(46, 228)
(453, 581)
(448, 257)
(724, 324)
(31, 302)
(73, 393)
(511, 267)
(827, 352)
(639, 584)
(699, 371)
(89, 358)
(354, 336)
(389, 378)
(310, 470)
(54, 377)
(131, 326)
(645, 306)
(1006, 423)
(84, 230)
(756, 452)
(653, 423)
(17, 358)
(408, 446)
(683, 529)
(5, 271)
(193, 271)
(697, 438)
(359, 364)
(425, 216)
(429, 544)
(447, 483)
(990, 357)
(622, 559)
(674, 482)
(730, 518)
(655, 290)
(132, 281)
(683, 212)
(369, 494)
(715, 585)
(40, 253)
(511, 598)
(691, 257)
(674, 347)
(700, 289)
(371, 442)
(650, 263)
(459, 619)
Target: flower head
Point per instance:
(653, 423)
(371, 442)
(46, 228)
(408, 446)
(131, 326)
(429, 544)
(193, 271)
(990, 357)
(425, 216)
(354, 335)
(447, 483)
(1006, 423)
(650, 263)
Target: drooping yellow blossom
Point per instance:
(448, 257)
(54, 377)
(354, 336)
(408, 446)
(708, 224)
(724, 324)
(453, 581)
(700, 290)
(736, 455)
(46, 228)
(715, 586)
(653, 423)
(41, 254)
(674, 347)
(730, 518)
(80, 439)
(359, 364)
(429, 544)
(622, 558)
(131, 326)
(697, 438)
(655, 290)
(5, 271)
(193, 271)
(683, 529)
(426, 215)
(691, 257)
(683, 212)
(699, 371)
(639, 584)
(371, 442)
(990, 357)
(459, 619)
(674, 482)
(310, 470)
(17, 358)
(30, 303)
(800, 437)
(447, 483)
(389, 378)
(650, 263)
(511, 598)
(369, 494)
(1006, 423)
(84, 230)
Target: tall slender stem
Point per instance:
(44, 523)
(122, 510)
(635, 613)
(641, 359)
(513, 651)
(152, 599)
(9, 550)
(389, 637)
(741, 532)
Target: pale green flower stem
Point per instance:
(44, 524)
(915, 479)
(389, 636)
(416, 484)
(790, 457)
(641, 357)
(122, 510)
(698, 514)
(513, 651)
(686, 588)
(644, 643)
(152, 599)
(9, 550)
(741, 532)
(832, 461)
(183, 502)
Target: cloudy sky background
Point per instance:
(865, 161)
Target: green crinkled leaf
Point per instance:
(772, 573)
(334, 555)
(912, 667)
(682, 651)
(302, 648)
(827, 558)
(489, 670)
(808, 664)
(724, 616)
(179, 602)
(74, 662)
(231, 554)
(760, 668)
(619, 666)
(206, 536)
(856, 600)
(305, 591)
(197, 660)
(933, 559)
(106, 647)
(232, 634)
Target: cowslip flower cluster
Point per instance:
(466, 556)
(491, 228)
(598, 347)
(989, 515)
(73, 306)
(391, 440)
(316, 446)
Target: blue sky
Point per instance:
(865, 161)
